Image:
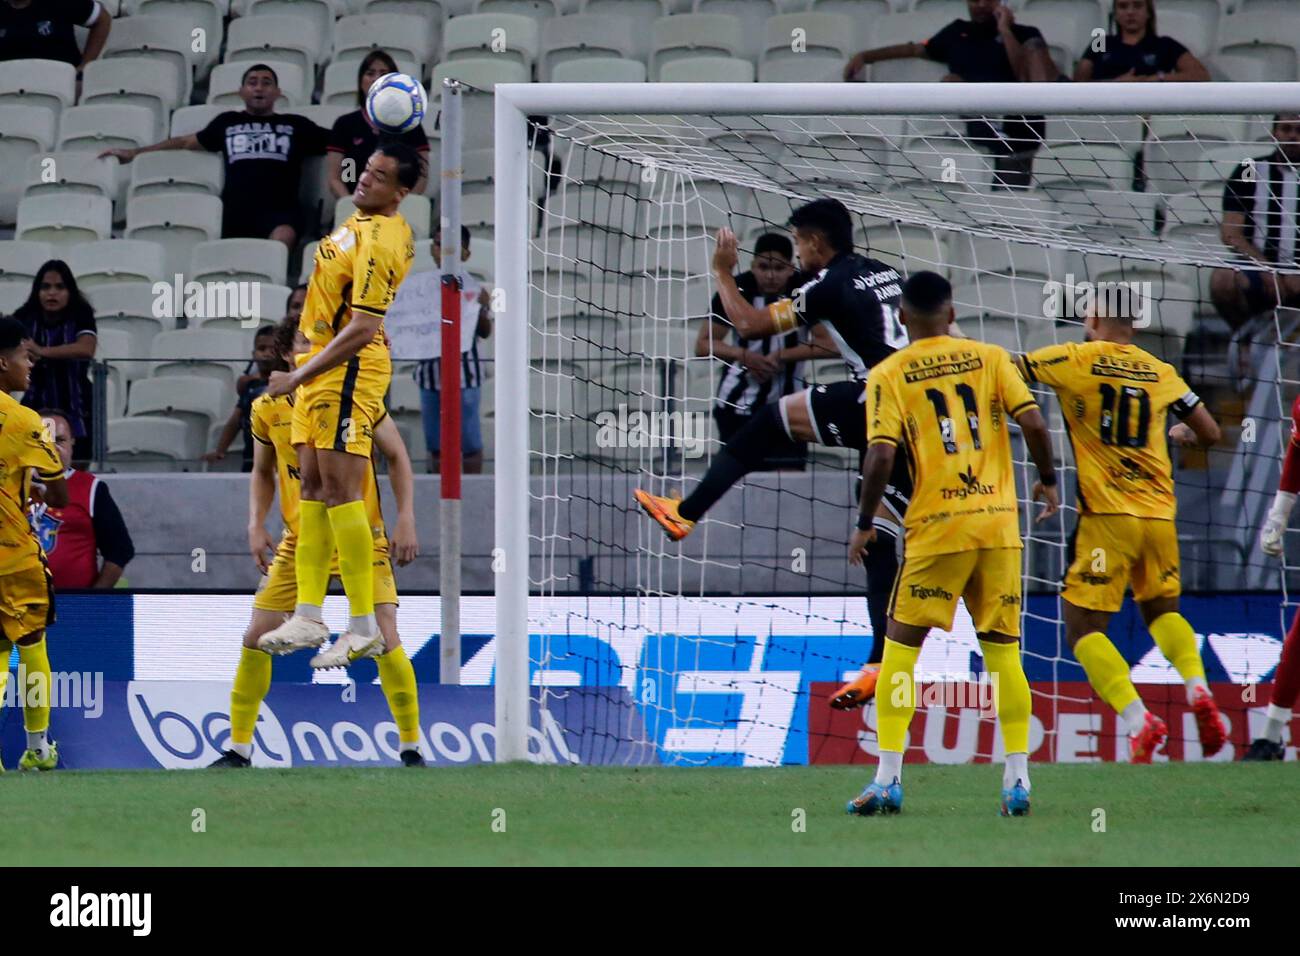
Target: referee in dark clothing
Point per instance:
(761, 370)
(1260, 222)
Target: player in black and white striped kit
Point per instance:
(856, 299)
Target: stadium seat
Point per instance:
(241, 308)
(48, 83)
(539, 10)
(13, 293)
(324, 115)
(25, 132)
(133, 80)
(716, 34)
(908, 248)
(1243, 67)
(20, 260)
(415, 208)
(113, 261)
(972, 255)
(599, 69)
(1185, 166)
(309, 259)
(707, 69)
(243, 260)
(114, 398)
(176, 171)
(826, 43)
(168, 39)
(483, 74)
(317, 15)
(152, 443)
(112, 345)
(993, 296)
(1110, 212)
(107, 126)
(191, 119)
(226, 79)
(752, 14)
(1083, 166)
(1197, 209)
(69, 173)
(1269, 35)
(275, 38)
(581, 37)
(221, 354)
(1066, 25)
(205, 15)
(481, 263)
(135, 309)
(64, 221)
(505, 35)
(177, 222)
(433, 11)
(405, 37)
(1194, 30)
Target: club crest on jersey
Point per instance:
(342, 237)
(46, 527)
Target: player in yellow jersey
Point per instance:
(341, 384)
(275, 465)
(1116, 399)
(29, 465)
(948, 404)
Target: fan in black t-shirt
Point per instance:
(353, 139)
(42, 30)
(264, 152)
(1134, 52)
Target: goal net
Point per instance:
(722, 648)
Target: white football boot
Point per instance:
(294, 635)
(348, 648)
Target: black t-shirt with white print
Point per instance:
(264, 156)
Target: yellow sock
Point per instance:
(356, 550)
(252, 681)
(36, 695)
(1107, 671)
(1010, 694)
(397, 678)
(1177, 641)
(314, 551)
(6, 648)
(895, 695)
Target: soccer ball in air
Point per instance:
(396, 103)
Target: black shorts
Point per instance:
(839, 419)
(784, 454)
(240, 222)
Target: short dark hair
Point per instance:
(12, 333)
(50, 412)
(365, 65)
(268, 329)
(774, 242)
(831, 218)
(408, 160)
(257, 67)
(284, 332)
(925, 293)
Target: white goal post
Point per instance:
(515, 218)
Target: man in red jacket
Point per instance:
(90, 525)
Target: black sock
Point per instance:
(744, 453)
(882, 567)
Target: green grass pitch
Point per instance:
(1177, 814)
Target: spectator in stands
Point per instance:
(1261, 224)
(353, 139)
(990, 47)
(43, 30)
(297, 299)
(61, 326)
(90, 524)
(761, 370)
(1135, 53)
(264, 152)
(428, 374)
(266, 359)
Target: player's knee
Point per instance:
(1223, 285)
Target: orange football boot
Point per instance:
(1148, 740)
(858, 691)
(664, 511)
(1209, 723)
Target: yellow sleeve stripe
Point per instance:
(783, 315)
(1023, 406)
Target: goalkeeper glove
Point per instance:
(1270, 536)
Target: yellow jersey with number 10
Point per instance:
(1115, 400)
(945, 403)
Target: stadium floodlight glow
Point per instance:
(922, 172)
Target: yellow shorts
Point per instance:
(988, 580)
(1108, 552)
(26, 602)
(340, 409)
(278, 590)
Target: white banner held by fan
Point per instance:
(414, 317)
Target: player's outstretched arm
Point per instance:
(877, 466)
(261, 492)
(749, 320)
(1039, 442)
(406, 545)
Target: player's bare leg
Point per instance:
(1177, 641)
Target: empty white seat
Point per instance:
(243, 260)
(68, 173)
(20, 260)
(112, 344)
(275, 38)
(323, 115)
(136, 309)
(998, 296)
(176, 171)
(825, 38)
(1270, 35)
(106, 126)
(971, 255)
(707, 69)
(240, 306)
(112, 261)
(25, 131)
(317, 16)
(167, 39)
(178, 222)
(539, 10)
(152, 443)
(133, 80)
(403, 36)
(64, 220)
(13, 293)
(48, 83)
(752, 15)
(482, 73)
(584, 36)
(599, 69)
(204, 15)
(191, 119)
(691, 35)
(509, 36)
(226, 79)
(434, 11)
(1084, 166)
(212, 353)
